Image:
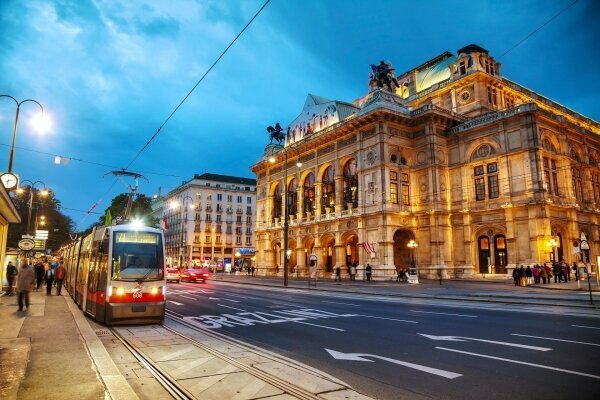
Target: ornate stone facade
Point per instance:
(479, 171)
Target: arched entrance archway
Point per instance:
(308, 245)
(277, 262)
(328, 244)
(402, 253)
(500, 254)
(293, 263)
(350, 240)
(483, 250)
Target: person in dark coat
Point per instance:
(516, 276)
(49, 278)
(39, 274)
(557, 271)
(11, 275)
(25, 280)
(528, 276)
(368, 270)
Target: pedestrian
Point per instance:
(353, 272)
(566, 271)
(11, 275)
(398, 274)
(252, 269)
(338, 274)
(25, 280)
(368, 271)
(543, 274)
(60, 276)
(557, 272)
(39, 274)
(536, 273)
(516, 276)
(49, 278)
(522, 275)
(528, 276)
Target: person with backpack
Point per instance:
(368, 271)
(49, 278)
(60, 276)
(516, 276)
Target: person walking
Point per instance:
(60, 276)
(536, 273)
(11, 275)
(368, 271)
(338, 274)
(522, 275)
(548, 272)
(25, 280)
(39, 274)
(49, 278)
(516, 276)
(353, 272)
(557, 272)
(543, 274)
(566, 271)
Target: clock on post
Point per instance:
(9, 180)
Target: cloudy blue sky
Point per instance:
(110, 72)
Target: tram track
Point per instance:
(177, 391)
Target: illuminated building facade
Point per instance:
(210, 220)
(480, 172)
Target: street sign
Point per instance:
(585, 245)
(41, 234)
(26, 244)
(39, 244)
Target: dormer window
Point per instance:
(490, 67)
(462, 66)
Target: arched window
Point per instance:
(292, 203)
(500, 255)
(309, 193)
(276, 211)
(328, 189)
(484, 254)
(350, 184)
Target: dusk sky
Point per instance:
(110, 72)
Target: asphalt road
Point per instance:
(379, 345)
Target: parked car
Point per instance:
(173, 275)
(195, 274)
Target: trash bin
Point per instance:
(413, 276)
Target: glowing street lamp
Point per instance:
(552, 244)
(43, 192)
(412, 245)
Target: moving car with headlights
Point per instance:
(195, 275)
(172, 275)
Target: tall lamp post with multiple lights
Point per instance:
(40, 122)
(286, 212)
(175, 205)
(43, 192)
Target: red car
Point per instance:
(195, 275)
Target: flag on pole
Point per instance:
(369, 247)
(108, 218)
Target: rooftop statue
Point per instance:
(276, 133)
(382, 75)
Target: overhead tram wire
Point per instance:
(195, 86)
(139, 153)
(537, 29)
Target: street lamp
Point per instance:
(44, 192)
(412, 245)
(286, 216)
(175, 206)
(552, 244)
(41, 123)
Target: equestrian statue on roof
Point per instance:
(382, 76)
(276, 133)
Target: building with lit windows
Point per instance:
(457, 170)
(210, 220)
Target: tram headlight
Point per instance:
(120, 291)
(154, 290)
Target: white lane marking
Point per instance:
(337, 302)
(233, 301)
(456, 315)
(463, 339)
(557, 340)
(236, 295)
(583, 326)
(389, 319)
(174, 302)
(320, 326)
(188, 297)
(361, 357)
(233, 308)
(521, 362)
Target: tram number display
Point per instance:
(136, 237)
(137, 295)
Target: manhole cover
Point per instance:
(103, 332)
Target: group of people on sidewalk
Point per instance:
(352, 270)
(561, 271)
(28, 278)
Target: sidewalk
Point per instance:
(43, 353)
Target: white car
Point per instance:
(173, 275)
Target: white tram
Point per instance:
(116, 274)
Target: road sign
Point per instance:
(41, 234)
(584, 245)
(26, 244)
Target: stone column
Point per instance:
(318, 199)
(339, 193)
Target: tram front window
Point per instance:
(137, 256)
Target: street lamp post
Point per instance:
(14, 137)
(552, 244)
(43, 192)
(286, 216)
(412, 245)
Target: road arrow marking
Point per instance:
(176, 303)
(521, 362)
(361, 357)
(557, 340)
(465, 339)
